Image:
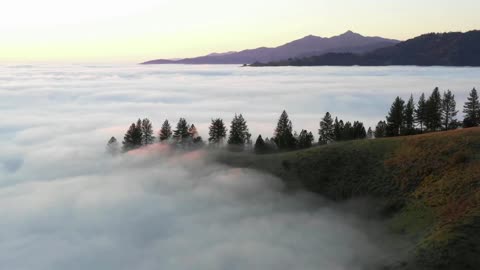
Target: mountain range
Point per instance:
(434, 49)
(348, 42)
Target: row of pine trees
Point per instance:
(184, 136)
(436, 113)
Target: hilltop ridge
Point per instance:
(427, 186)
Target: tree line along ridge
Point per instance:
(438, 112)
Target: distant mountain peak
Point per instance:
(350, 33)
(442, 49)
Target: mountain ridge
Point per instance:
(310, 44)
(432, 49)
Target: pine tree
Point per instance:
(283, 133)
(139, 131)
(305, 139)
(181, 134)
(112, 147)
(327, 130)
(381, 129)
(338, 129)
(165, 132)
(409, 123)
(239, 135)
(395, 117)
(359, 130)
(448, 110)
(434, 111)
(147, 132)
(133, 137)
(217, 132)
(128, 140)
(472, 110)
(348, 132)
(260, 146)
(421, 112)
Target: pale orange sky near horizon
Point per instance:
(127, 31)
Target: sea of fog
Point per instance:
(66, 204)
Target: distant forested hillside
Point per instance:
(445, 49)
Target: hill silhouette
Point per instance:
(434, 49)
(306, 46)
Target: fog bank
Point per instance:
(66, 204)
(154, 209)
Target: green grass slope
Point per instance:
(427, 186)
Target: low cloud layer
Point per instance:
(105, 96)
(65, 204)
(154, 209)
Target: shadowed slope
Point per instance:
(428, 186)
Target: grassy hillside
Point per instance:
(428, 187)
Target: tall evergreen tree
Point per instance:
(359, 130)
(165, 132)
(472, 110)
(128, 139)
(147, 132)
(434, 111)
(283, 133)
(395, 117)
(421, 112)
(217, 132)
(239, 135)
(305, 139)
(260, 146)
(133, 137)
(327, 130)
(381, 129)
(348, 131)
(409, 123)
(195, 140)
(338, 129)
(112, 146)
(181, 134)
(449, 111)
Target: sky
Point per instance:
(134, 31)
